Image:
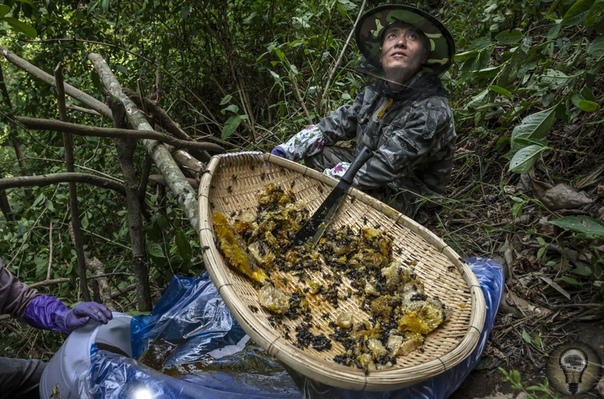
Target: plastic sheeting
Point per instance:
(198, 342)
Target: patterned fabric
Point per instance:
(368, 35)
(413, 142)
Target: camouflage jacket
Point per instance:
(411, 132)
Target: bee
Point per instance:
(377, 226)
(451, 268)
(320, 189)
(421, 350)
(252, 167)
(212, 186)
(365, 220)
(353, 199)
(253, 308)
(234, 177)
(293, 183)
(205, 248)
(366, 370)
(263, 176)
(230, 189)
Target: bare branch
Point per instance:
(82, 130)
(84, 98)
(187, 197)
(65, 177)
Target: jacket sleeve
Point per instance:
(15, 296)
(342, 123)
(424, 130)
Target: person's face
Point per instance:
(403, 52)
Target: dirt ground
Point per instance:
(487, 381)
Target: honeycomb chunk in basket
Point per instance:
(273, 299)
(233, 251)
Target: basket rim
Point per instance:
(331, 373)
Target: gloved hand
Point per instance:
(49, 313)
(278, 151)
(86, 311)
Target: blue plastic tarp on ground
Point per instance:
(192, 316)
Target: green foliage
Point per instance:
(540, 391)
(539, 73)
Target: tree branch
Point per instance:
(65, 177)
(183, 191)
(81, 130)
(79, 95)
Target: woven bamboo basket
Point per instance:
(232, 183)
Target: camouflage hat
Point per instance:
(368, 34)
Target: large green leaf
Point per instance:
(230, 126)
(4, 9)
(510, 36)
(21, 27)
(595, 15)
(524, 160)
(596, 48)
(502, 91)
(577, 13)
(581, 224)
(535, 126)
(588, 106)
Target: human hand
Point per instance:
(82, 313)
(278, 151)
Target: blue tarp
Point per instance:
(192, 316)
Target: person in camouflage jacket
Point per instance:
(404, 117)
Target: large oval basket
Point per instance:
(232, 183)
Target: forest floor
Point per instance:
(492, 213)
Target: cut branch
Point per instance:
(65, 177)
(79, 95)
(177, 182)
(81, 130)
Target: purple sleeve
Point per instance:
(48, 313)
(15, 296)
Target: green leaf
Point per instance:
(571, 281)
(588, 106)
(226, 99)
(576, 14)
(231, 108)
(595, 15)
(526, 337)
(279, 54)
(21, 27)
(183, 245)
(524, 160)
(500, 90)
(230, 126)
(581, 224)
(510, 37)
(156, 250)
(596, 48)
(4, 9)
(535, 126)
(584, 271)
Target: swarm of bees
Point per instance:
(397, 313)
